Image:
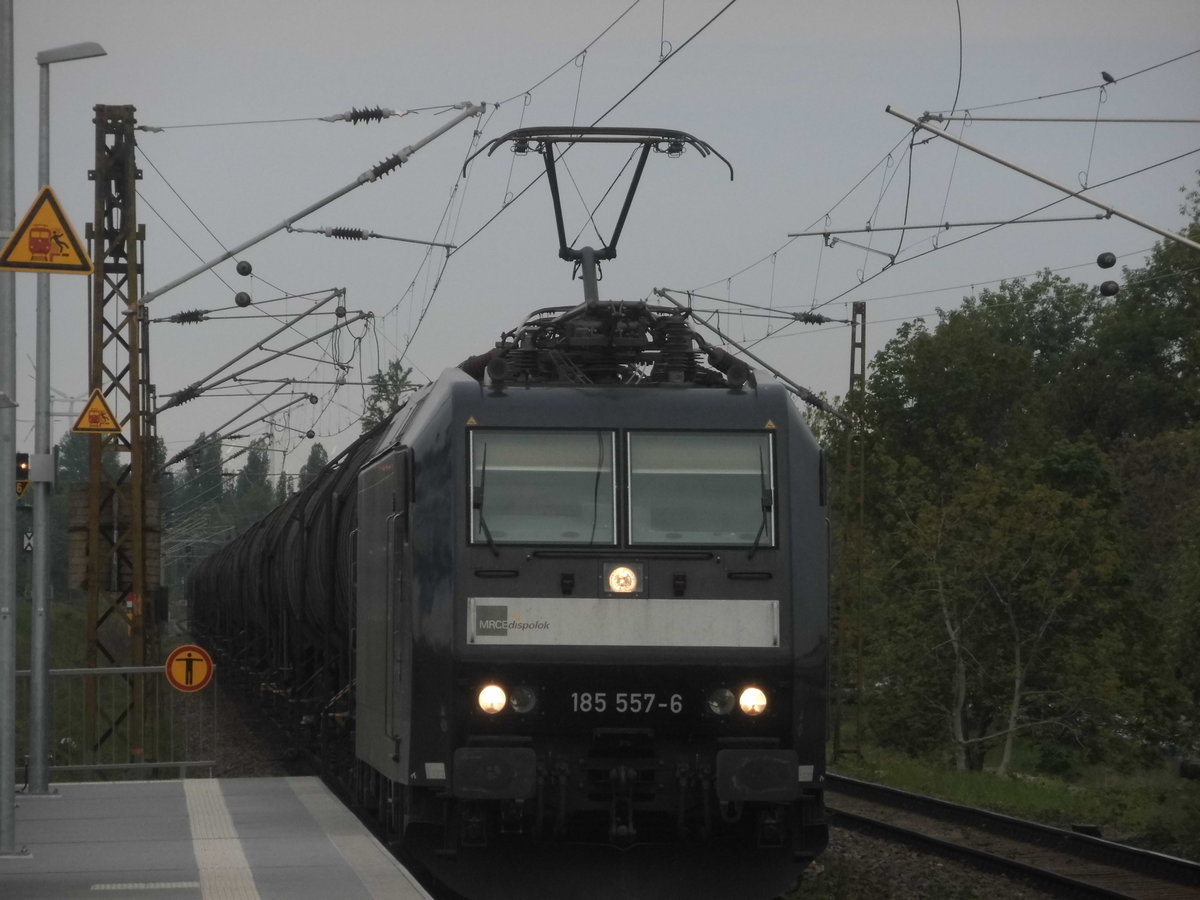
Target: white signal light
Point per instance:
(752, 701)
(492, 699)
(622, 580)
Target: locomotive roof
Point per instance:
(613, 343)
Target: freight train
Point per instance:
(573, 592)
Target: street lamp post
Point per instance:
(42, 464)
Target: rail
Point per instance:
(179, 730)
(1063, 859)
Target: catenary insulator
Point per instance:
(386, 167)
(348, 234)
(191, 392)
(188, 317)
(812, 318)
(368, 114)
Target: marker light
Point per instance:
(523, 699)
(492, 699)
(622, 580)
(752, 701)
(720, 701)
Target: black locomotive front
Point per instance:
(597, 611)
(575, 588)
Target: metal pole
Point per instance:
(194, 389)
(38, 664)
(197, 390)
(1077, 194)
(1063, 119)
(43, 461)
(8, 450)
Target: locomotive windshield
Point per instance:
(701, 488)
(554, 487)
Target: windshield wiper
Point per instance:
(768, 501)
(477, 503)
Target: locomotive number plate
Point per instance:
(625, 702)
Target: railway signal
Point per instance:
(22, 473)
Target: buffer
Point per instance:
(45, 241)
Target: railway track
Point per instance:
(1063, 861)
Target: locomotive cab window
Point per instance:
(542, 487)
(701, 488)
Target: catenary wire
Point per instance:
(1090, 87)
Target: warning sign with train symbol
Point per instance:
(45, 241)
(97, 417)
(189, 668)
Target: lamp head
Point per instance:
(86, 50)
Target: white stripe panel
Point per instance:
(623, 621)
(148, 886)
(224, 872)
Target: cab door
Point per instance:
(383, 613)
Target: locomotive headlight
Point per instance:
(492, 699)
(522, 699)
(752, 701)
(720, 701)
(622, 580)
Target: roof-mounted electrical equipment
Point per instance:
(544, 139)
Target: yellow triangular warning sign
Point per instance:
(96, 417)
(45, 241)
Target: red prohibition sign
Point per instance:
(189, 668)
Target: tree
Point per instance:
(203, 483)
(991, 562)
(253, 495)
(387, 394)
(318, 458)
(283, 488)
(1032, 496)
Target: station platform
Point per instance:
(198, 839)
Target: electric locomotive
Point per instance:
(575, 590)
(594, 606)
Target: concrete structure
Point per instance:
(199, 839)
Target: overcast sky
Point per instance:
(792, 93)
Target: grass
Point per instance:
(178, 727)
(1152, 808)
(66, 633)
